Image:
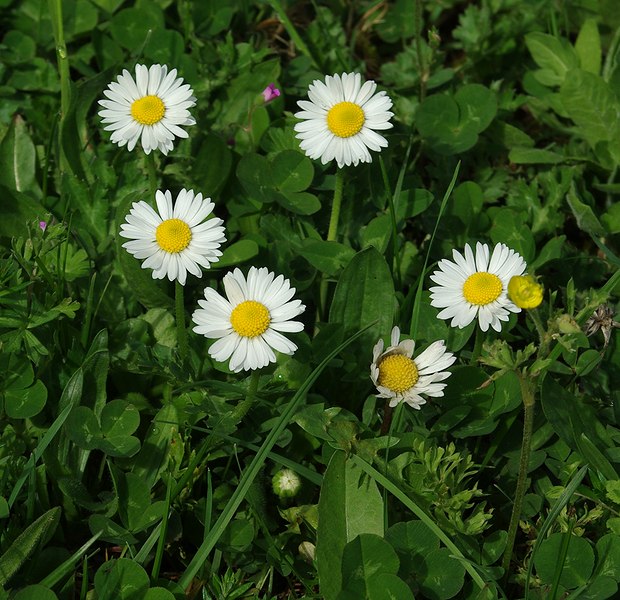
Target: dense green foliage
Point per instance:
(130, 471)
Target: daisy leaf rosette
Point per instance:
(175, 239)
(150, 109)
(401, 378)
(248, 324)
(475, 286)
(341, 118)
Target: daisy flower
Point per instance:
(477, 286)
(247, 323)
(177, 239)
(150, 108)
(341, 118)
(525, 291)
(398, 377)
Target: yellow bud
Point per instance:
(524, 291)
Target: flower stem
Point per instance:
(332, 234)
(394, 239)
(180, 317)
(244, 406)
(527, 395)
(533, 314)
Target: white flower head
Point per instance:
(177, 239)
(476, 286)
(247, 323)
(149, 109)
(340, 119)
(401, 378)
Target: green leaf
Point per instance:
(441, 576)
(534, 156)
(588, 47)
(26, 543)
(608, 556)
(555, 56)
(131, 27)
(584, 215)
(594, 457)
(377, 233)
(4, 508)
(119, 418)
(211, 167)
(121, 579)
(300, 203)
(292, 171)
(154, 455)
(158, 593)
(25, 403)
(364, 294)
(326, 256)
(349, 505)
(503, 230)
(591, 103)
(412, 540)
(238, 253)
(18, 159)
(17, 211)
(83, 429)
(363, 558)
(576, 567)
(35, 592)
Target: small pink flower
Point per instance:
(271, 92)
(42, 225)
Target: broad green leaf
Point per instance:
(363, 558)
(211, 167)
(300, 203)
(17, 211)
(411, 203)
(608, 556)
(154, 455)
(4, 508)
(121, 579)
(412, 540)
(594, 457)
(441, 575)
(534, 156)
(131, 27)
(26, 543)
(18, 159)
(254, 173)
(237, 253)
(83, 429)
(504, 230)
(238, 536)
(292, 171)
(583, 213)
(35, 592)
(110, 531)
(555, 56)
(349, 504)
(158, 593)
(588, 47)
(119, 418)
(326, 256)
(25, 403)
(386, 586)
(576, 567)
(377, 233)
(591, 103)
(477, 106)
(364, 294)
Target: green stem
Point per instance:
(180, 315)
(422, 70)
(332, 233)
(55, 7)
(527, 395)
(542, 336)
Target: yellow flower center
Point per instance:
(345, 119)
(250, 318)
(173, 235)
(148, 110)
(398, 373)
(482, 288)
(524, 291)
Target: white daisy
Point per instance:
(402, 379)
(247, 323)
(340, 119)
(149, 109)
(473, 287)
(176, 240)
